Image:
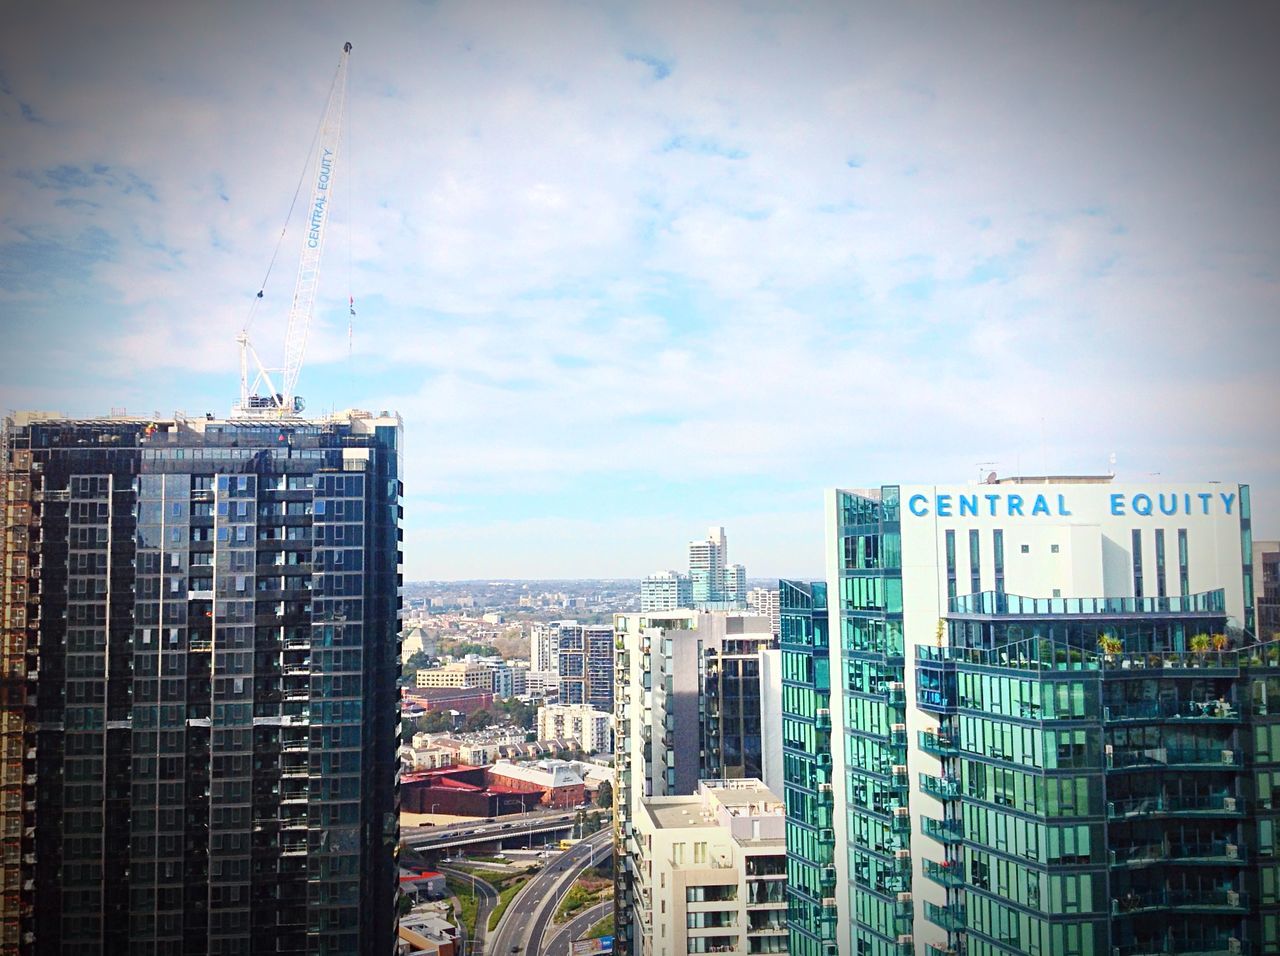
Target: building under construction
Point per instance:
(199, 660)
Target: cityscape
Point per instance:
(731, 478)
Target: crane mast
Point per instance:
(285, 401)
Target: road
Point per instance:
(486, 900)
(556, 943)
(530, 913)
(509, 827)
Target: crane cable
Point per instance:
(315, 138)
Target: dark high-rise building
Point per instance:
(199, 662)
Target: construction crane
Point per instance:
(284, 401)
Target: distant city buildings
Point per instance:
(713, 872)
(470, 674)
(1040, 723)
(1266, 571)
(710, 584)
(199, 656)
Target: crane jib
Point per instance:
(318, 209)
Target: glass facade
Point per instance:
(807, 776)
(1108, 783)
(216, 693)
(873, 699)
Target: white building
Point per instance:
(710, 872)
(593, 729)
(764, 601)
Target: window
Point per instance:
(1137, 563)
(1053, 549)
(1025, 549)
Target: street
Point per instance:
(486, 900)
(530, 913)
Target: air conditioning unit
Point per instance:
(1229, 804)
(1233, 945)
(1228, 756)
(1233, 851)
(1233, 898)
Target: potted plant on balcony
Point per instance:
(1110, 645)
(1220, 642)
(1200, 645)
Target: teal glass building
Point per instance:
(1052, 728)
(806, 759)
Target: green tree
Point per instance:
(437, 722)
(478, 720)
(604, 796)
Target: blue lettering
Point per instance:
(1186, 504)
(968, 505)
(943, 505)
(1142, 505)
(1041, 507)
(1205, 497)
(1015, 505)
(1171, 508)
(991, 501)
(1117, 504)
(918, 505)
(1062, 506)
(1227, 500)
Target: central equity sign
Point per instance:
(1022, 506)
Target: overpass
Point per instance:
(503, 832)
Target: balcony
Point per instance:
(1133, 903)
(940, 745)
(1179, 946)
(949, 876)
(1216, 853)
(944, 788)
(1173, 711)
(949, 832)
(950, 918)
(1190, 758)
(1211, 805)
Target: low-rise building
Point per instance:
(556, 783)
(468, 674)
(710, 871)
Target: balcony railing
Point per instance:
(1216, 852)
(1190, 757)
(1171, 710)
(1178, 946)
(1132, 903)
(1161, 804)
(940, 745)
(944, 788)
(943, 874)
(950, 918)
(944, 831)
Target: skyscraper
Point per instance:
(1052, 724)
(205, 614)
(712, 584)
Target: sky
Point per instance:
(630, 270)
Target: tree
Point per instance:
(478, 720)
(437, 721)
(604, 796)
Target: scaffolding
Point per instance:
(19, 621)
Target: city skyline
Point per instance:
(627, 273)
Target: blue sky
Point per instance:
(630, 270)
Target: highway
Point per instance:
(558, 941)
(486, 900)
(530, 913)
(481, 831)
